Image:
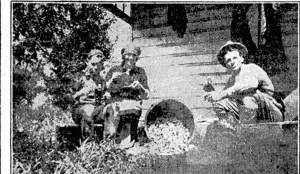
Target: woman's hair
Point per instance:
(131, 49)
(228, 48)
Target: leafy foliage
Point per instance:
(59, 35)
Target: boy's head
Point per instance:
(231, 50)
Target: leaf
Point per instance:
(40, 22)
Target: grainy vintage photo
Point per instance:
(154, 87)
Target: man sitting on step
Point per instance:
(248, 96)
(91, 89)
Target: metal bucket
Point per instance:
(170, 108)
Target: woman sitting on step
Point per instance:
(127, 85)
(248, 96)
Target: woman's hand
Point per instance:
(215, 96)
(137, 85)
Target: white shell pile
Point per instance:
(168, 137)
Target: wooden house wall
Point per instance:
(179, 67)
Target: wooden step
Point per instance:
(213, 36)
(193, 84)
(195, 56)
(185, 60)
(197, 60)
(179, 89)
(192, 102)
(203, 48)
(183, 70)
(210, 55)
(187, 39)
(200, 78)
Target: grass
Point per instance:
(35, 149)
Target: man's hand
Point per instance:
(215, 96)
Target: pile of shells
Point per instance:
(168, 137)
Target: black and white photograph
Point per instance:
(152, 87)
